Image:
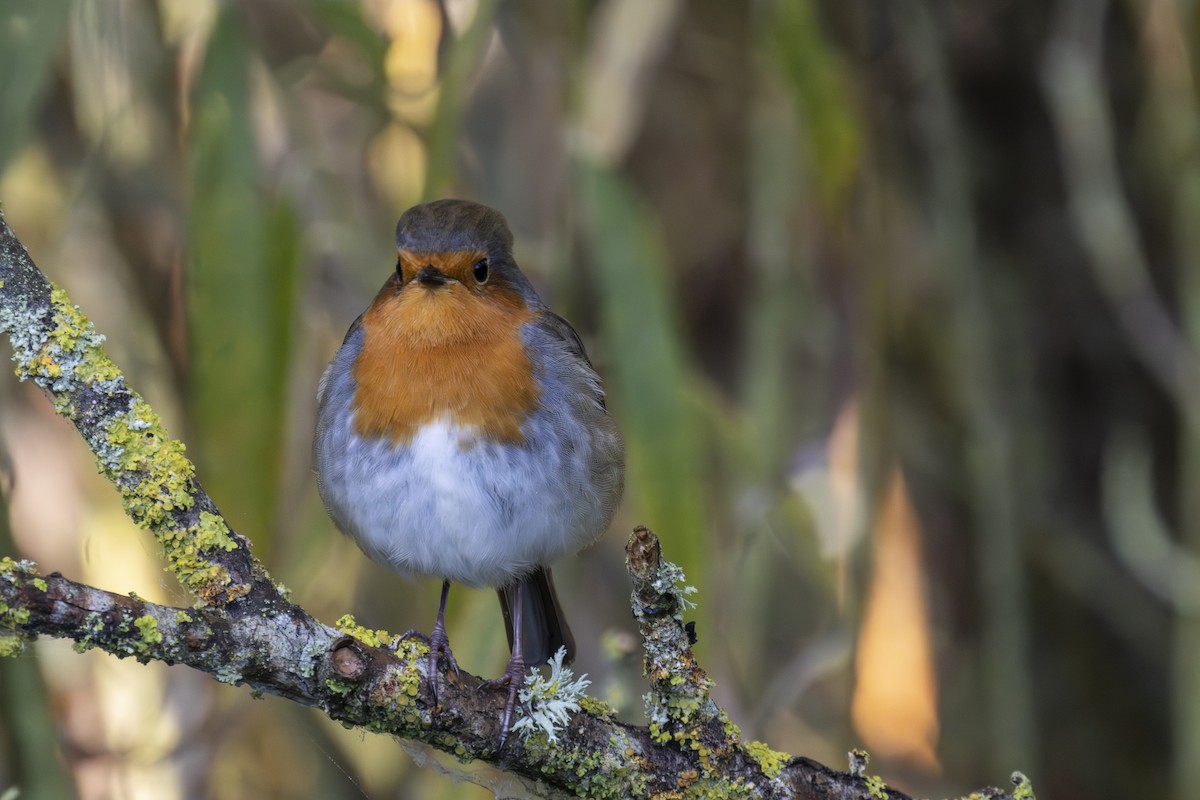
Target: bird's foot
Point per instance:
(514, 677)
(439, 644)
(411, 633)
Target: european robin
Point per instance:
(462, 432)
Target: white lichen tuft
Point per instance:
(547, 703)
(670, 580)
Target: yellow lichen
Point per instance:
(148, 625)
(70, 351)
(12, 617)
(156, 479)
(771, 761)
(141, 447)
(11, 645)
(876, 787)
(372, 638)
(597, 707)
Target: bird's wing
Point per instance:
(323, 384)
(561, 330)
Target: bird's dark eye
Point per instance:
(481, 270)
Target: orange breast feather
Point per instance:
(451, 352)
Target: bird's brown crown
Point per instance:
(449, 349)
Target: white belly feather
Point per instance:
(449, 505)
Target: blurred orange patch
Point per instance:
(894, 708)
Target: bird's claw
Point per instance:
(439, 644)
(411, 633)
(514, 677)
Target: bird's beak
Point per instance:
(431, 277)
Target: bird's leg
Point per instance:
(439, 643)
(514, 675)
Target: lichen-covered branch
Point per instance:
(245, 631)
(284, 654)
(682, 712)
(56, 347)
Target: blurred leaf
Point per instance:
(457, 76)
(648, 378)
(820, 82)
(777, 401)
(243, 253)
(345, 20)
(29, 31)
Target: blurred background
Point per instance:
(892, 300)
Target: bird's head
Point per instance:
(455, 272)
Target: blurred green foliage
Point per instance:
(650, 384)
(27, 44)
(244, 244)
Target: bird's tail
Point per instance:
(543, 625)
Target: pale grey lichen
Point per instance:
(656, 708)
(670, 580)
(547, 703)
(859, 760)
(229, 674)
(62, 357)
